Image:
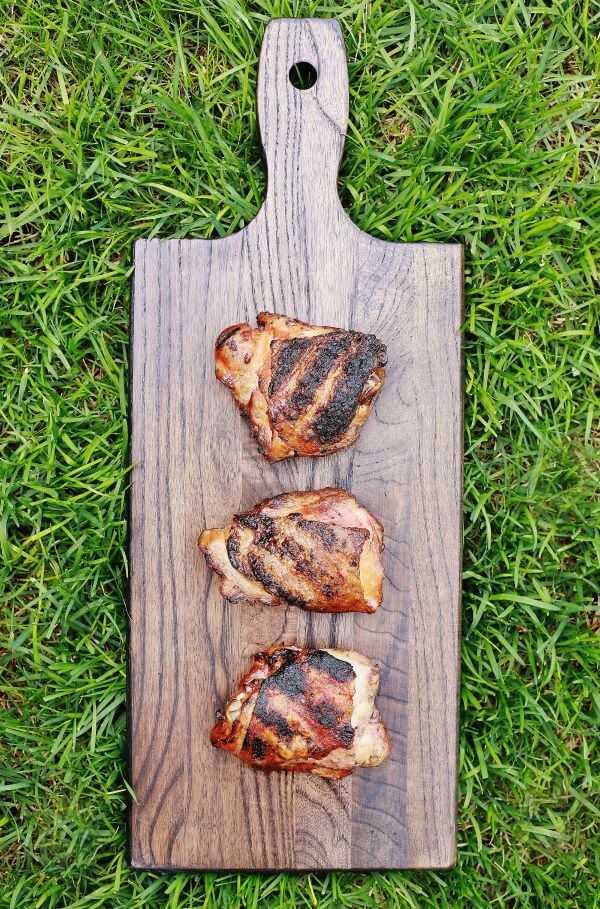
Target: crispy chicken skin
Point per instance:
(306, 390)
(318, 550)
(305, 710)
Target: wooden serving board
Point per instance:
(195, 464)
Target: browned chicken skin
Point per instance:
(305, 710)
(317, 550)
(307, 390)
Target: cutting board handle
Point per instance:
(303, 129)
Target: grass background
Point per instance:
(470, 121)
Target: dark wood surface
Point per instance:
(195, 464)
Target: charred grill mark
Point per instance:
(345, 734)
(291, 555)
(379, 351)
(302, 711)
(255, 521)
(330, 348)
(333, 420)
(311, 570)
(302, 561)
(233, 551)
(258, 749)
(290, 547)
(270, 583)
(270, 718)
(290, 679)
(271, 544)
(279, 657)
(301, 368)
(212, 562)
(300, 714)
(285, 356)
(330, 665)
(225, 335)
(326, 715)
(279, 542)
(343, 542)
(307, 563)
(373, 348)
(323, 531)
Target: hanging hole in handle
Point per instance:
(303, 75)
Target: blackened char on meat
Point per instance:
(305, 710)
(306, 390)
(317, 550)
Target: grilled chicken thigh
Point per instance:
(317, 550)
(305, 710)
(307, 390)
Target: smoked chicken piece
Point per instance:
(306, 389)
(305, 710)
(317, 550)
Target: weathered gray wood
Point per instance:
(195, 464)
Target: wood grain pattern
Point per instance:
(195, 464)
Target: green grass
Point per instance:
(470, 121)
